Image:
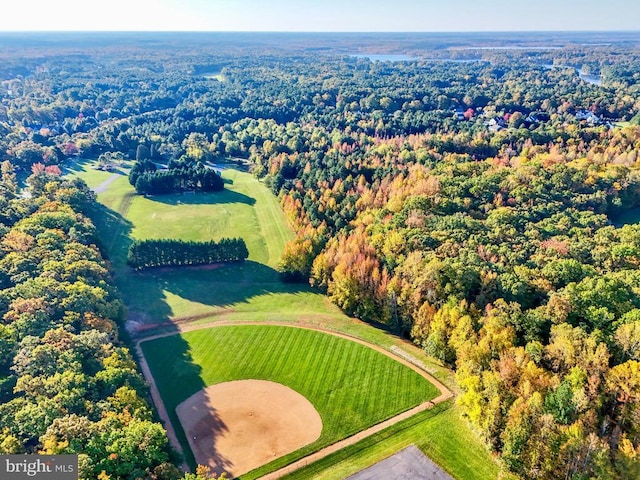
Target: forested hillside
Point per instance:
(483, 203)
(67, 383)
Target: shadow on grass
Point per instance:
(170, 361)
(114, 232)
(76, 165)
(222, 287)
(198, 198)
(114, 239)
(145, 293)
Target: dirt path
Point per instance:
(105, 185)
(314, 457)
(162, 410)
(445, 393)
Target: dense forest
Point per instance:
(482, 202)
(67, 383)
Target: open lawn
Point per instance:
(244, 209)
(85, 169)
(350, 385)
(439, 432)
(252, 292)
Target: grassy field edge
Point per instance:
(192, 352)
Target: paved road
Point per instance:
(105, 185)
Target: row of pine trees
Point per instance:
(172, 253)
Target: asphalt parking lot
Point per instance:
(407, 464)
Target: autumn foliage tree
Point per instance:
(67, 384)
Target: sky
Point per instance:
(320, 15)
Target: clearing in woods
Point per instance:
(175, 300)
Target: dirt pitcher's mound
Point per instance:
(238, 426)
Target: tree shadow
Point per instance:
(114, 240)
(220, 286)
(114, 233)
(75, 165)
(177, 377)
(145, 293)
(199, 198)
(625, 217)
(118, 170)
(203, 426)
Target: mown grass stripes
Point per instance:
(339, 377)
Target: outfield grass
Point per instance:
(351, 386)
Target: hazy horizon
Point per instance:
(390, 32)
(340, 16)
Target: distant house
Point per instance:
(588, 117)
(459, 113)
(496, 124)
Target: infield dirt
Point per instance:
(237, 426)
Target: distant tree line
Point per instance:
(170, 253)
(180, 176)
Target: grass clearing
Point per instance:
(85, 168)
(234, 212)
(244, 209)
(439, 432)
(351, 386)
(253, 292)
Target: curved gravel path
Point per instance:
(445, 393)
(105, 185)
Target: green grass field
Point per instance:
(439, 432)
(351, 385)
(244, 209)
(211, 216)
(253, 292)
